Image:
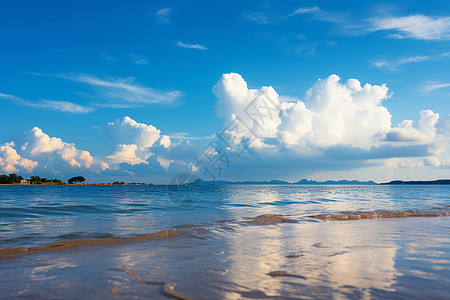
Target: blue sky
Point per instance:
(71, 67)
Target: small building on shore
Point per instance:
(23, 181)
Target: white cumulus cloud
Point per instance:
(128, 131)
(38, 144)
(165, 141)
(338, 125)
(137, 142)
(234, 97)
(420, 131)
(11, 161)
(138, 148)
(129, 154)
(327, 117)
(47, 156)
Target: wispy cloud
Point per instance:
(271, 18)
(63, 106)
(139, 59)
(430, 87)
(395, 63)
(185, 136)
(121, 90)
(346, 23)
(303, 10)
(108, 57)
(162, 15)
(258, 18)
(191, 46)
(418, 27)
(116, 105)
(344, 20)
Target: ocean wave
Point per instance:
(195, 230)
(379, 215)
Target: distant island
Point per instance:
(17, 179)
(275, 182)
(79, 180)
(36, 180)
(314, 182)
(429, 182)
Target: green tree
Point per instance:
(35, 180)
(4, 179)
(76, 179)
(13, 178)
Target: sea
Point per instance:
(225, 242)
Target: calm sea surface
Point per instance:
(217, 255)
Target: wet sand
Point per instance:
(89, 242)
(268, 219)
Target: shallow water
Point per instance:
(218, 254)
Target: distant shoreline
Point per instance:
(328, 182)
(303, 182)
(418, 182)
(71, 184)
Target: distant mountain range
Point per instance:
(301, 182)
(327, 182)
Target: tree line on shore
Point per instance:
(17, 179)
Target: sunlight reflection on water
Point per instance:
(384, 258)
